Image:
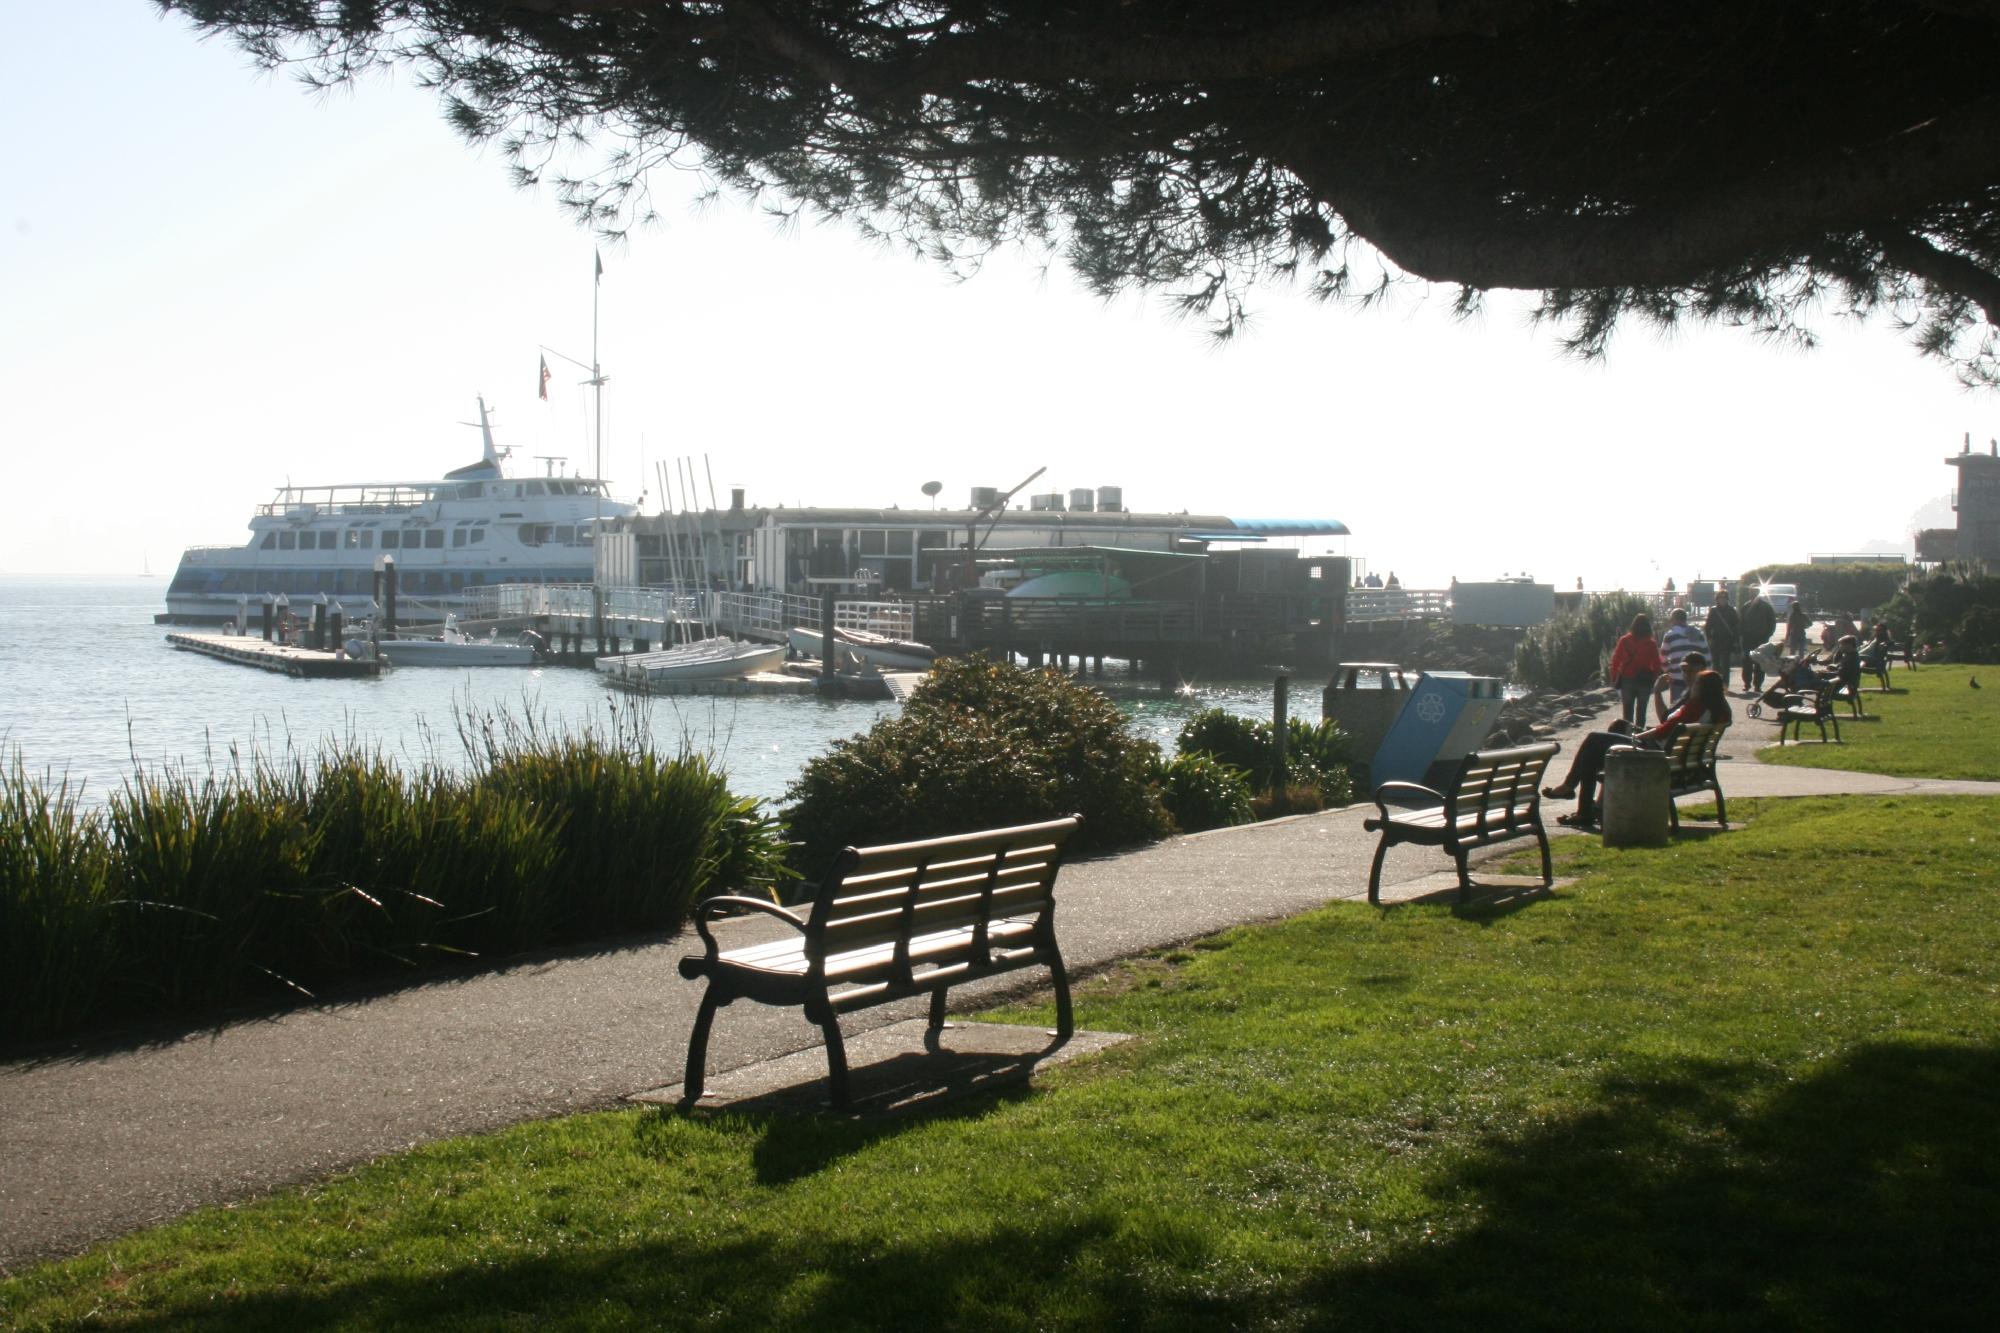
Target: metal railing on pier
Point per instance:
(1367, 606)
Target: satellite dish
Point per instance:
(933, 487)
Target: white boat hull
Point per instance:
(441, 653)
(711, 659)
(877, 651)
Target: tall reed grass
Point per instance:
(1572, 650)
(189, 892)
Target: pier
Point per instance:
(306, 663)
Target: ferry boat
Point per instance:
(472, 527)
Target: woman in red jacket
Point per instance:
(1635, 665)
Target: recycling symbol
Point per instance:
(1431, 709)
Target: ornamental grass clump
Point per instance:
(1570, 651)
(192, 892)
(979, 745)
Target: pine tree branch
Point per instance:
(1942, 269)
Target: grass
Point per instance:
(1742, 1082)
(1931, 724)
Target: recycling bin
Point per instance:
(1364, 698)
(1446, 717)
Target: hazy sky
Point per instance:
(213, 281)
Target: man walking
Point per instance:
(1725, 635)
(1759, 623)
(1680, 639)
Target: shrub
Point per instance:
(191, 892)
(1294, 798)
(1935, 608)
(981, 743)
(1978, 636)
(1203, 792)
(1850, 585)
(1570, 651)
(1317, 756)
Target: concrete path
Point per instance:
(98, 1143)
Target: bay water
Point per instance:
(90, 691)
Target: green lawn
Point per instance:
(1931, 724)
(1745, 1081)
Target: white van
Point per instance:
(1780, 596)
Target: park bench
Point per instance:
(1814, 706)
(1691, 749)
(891, 922)
(1495, 795)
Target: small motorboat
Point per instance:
(706, 659)
(877, 650)
(455, 648)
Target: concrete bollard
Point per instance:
(1635, 798)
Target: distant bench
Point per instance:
(890, 922)
(1495, 795)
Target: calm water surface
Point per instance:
(89, 688)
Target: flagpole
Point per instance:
(597, 382)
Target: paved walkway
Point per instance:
(96, 1144)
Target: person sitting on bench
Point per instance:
(1707, 700)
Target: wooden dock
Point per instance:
(306, 663)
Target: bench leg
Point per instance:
(1375, 871)
(1464, 874)
(937, 1010)
(1721, 810)
(697, 1058)
(1673, 815)
(1065, 1015)
(1548, 866)
(836, 1059)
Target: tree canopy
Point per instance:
(1767, 164)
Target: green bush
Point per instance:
(1852, 585)
(188, 893)
(1570, 651)
(1316, 755)
(1935, 609)
(1203, 792)
(980, 744)
(1977, 638)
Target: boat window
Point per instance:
(536, 488)
(458, 536)
(352, 541)
(264, 581)
(457, 582)
(391, 540)
(871, 541)
(565, 535)
(529, 535)
(433, 539)
(288, 541)
(270, 540)
(328, 540)
(478, 536)
(934, 540)
(367, 541)
(901, 541)
(472, 490)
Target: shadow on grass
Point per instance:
(1862, 1196)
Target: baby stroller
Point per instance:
(1789, 678)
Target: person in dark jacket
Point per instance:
(1796, 622)
(1725, 635)
(1760, 622)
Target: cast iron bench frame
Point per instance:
(1495, 795)
(890, 922)
(1816, 707)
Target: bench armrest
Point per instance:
(1415, 792)
(694, 967)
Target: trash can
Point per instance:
(1446, 717)
(1636, 783)
(1364, 698)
